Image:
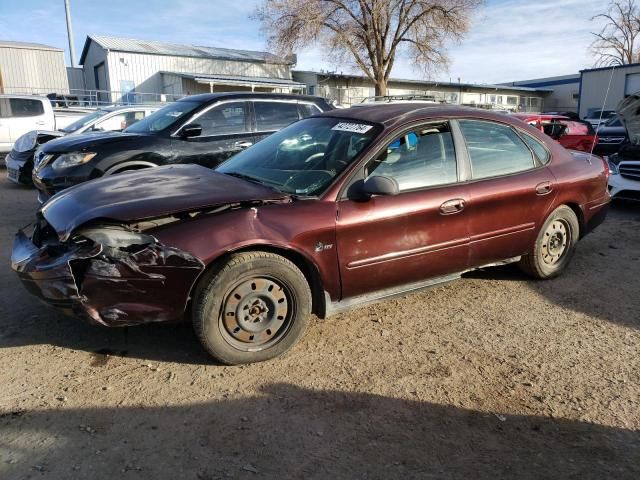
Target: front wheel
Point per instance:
(554, 246)
(252, 308)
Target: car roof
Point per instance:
(115, 108)
(210, 97)
(541, 116)
(392, 114)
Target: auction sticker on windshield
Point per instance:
(352, 127)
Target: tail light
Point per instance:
(607, 172)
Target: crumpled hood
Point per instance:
(85, 142)
(149, 193)
(629, 112)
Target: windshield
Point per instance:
(84, 121)
(163, 118)
(304, 158)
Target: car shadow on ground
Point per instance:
(32, 323)
(603, 278)
(291, 432)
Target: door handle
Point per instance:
(544, 188)
(242, 144)
(452, 206)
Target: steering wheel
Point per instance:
(313, 156)
(315, 184)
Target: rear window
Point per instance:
(21, 107)
(538, 148)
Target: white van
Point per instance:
(20, 114)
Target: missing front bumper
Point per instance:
(108, 286)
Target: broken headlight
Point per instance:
(115, 237)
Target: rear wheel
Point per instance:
(554, 246)
(252, 308)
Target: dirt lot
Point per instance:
(493, 376)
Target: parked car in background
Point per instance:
(624, 183)
(107, 119)
(340, 209)
(570, 115)
(203, 129)
(20, 114)
(571, 134)
(611, 136)
(596, 116)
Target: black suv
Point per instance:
(203, 129)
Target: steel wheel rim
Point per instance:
(256, 313)
(555, 243)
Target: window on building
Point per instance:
(271, 116)
(423, 157)
(494, 149)
(225, 119)
(511, 100)
(632, 83)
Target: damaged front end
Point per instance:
(108, 274)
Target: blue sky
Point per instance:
(509, 40)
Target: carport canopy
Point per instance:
(243, 81)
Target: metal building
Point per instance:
(565, 94)
(606, 87)
(28, 68)
(347, 89)
(126, 70)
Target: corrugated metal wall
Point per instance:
(143, 69)
(596, 82)
(25, 70)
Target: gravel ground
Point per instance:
(493, 376)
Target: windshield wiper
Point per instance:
(248, 178)
(251, 179)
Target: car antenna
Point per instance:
(604, 103)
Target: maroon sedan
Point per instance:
(334, 211)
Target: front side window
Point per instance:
(25, 107)
(164, 118)
(423, 157)
(275, 115)
(224, 119)
(303, 158)
(494, 149)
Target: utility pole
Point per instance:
(72, 50)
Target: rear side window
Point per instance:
(275, 115)
(494, 149)
(423, 157)
(22, 107)
(225, 119)
(538, 148)
(308, 109)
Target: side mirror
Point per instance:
(191, 130)
(376, 185)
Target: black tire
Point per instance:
(548, 259)
(238, 305)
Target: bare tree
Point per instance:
(616, 42)
(369, 32)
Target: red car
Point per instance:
(571, 134)
(340, 209)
